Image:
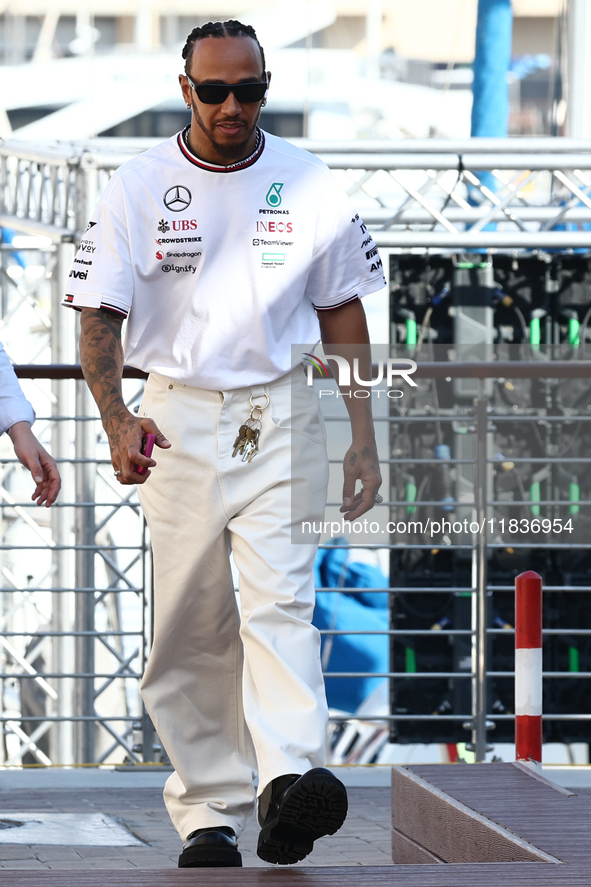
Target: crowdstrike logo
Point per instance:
(162, 240)
(388, 369)
(273, 196)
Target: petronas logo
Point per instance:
(273, 197)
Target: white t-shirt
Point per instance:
(219, 269)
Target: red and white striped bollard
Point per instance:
(528, 667)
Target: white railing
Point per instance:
(413, 194)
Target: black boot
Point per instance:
(294, 811)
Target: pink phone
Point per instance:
(147, 447)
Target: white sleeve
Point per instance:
(14, 406)
(101, 275)
(346, 264)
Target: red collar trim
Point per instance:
(234, 167)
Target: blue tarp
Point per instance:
(367, 611)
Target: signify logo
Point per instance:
(388, 370)
(273, 197)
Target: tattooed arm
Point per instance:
(344, 332)
(101, 355)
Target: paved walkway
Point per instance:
(364, 839)
(135, 800)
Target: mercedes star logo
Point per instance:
(177, 198)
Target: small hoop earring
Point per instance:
(188, 105)
(263, 103)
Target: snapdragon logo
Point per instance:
(401, 367)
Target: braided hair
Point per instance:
(230, 28)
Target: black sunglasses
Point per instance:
(217, 93)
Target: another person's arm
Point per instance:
(16, 418)
(344, 332)
(35, 457)
(101, 356)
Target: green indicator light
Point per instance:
(411, 333)
(573, 659)
(574, 494)
(573, 332)
(535, 333)
(411, 495)
(410, 660)
(535, 496)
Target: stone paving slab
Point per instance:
(364, 839)
(144, 776)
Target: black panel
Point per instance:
(543, 304)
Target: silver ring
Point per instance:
(256, 406)
(117, 473)
(377, 499)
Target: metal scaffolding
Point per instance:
(69, 669)
(93, 556)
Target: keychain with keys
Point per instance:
(247, 439)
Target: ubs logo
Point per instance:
(177, 198)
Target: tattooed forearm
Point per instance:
(101, 355)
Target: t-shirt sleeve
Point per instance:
(14, 406)
(346, 264)
(101, 274)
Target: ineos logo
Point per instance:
(177, 198)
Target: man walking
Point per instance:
(224, 246)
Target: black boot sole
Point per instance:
(314, 806)
(209, 857)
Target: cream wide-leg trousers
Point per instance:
(233, 692)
